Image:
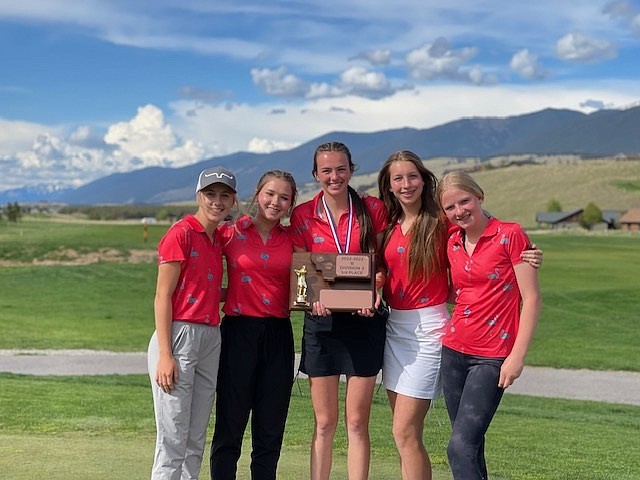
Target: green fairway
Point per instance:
(103, 428)
(589, 315)
(590, 300)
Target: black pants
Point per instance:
(255, 375)
(472, 396)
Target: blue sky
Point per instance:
(93, 87)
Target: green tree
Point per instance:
(591, 215)
(13, 212)
(554, 206)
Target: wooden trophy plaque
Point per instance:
(340, 281)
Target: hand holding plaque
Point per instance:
(341, 282)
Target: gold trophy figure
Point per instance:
(301, 298)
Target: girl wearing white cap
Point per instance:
(184, 350)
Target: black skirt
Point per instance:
(342, 343)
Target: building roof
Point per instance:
(610, 216)
(556, 217)
(631, 216)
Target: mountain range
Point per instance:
(546, 132)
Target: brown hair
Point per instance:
(367, 237)
(428, 233)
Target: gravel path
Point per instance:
(600, 386)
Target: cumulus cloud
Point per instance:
(357, 81)
(149, 141)
(380, 56)
(365, 83)
(18, 135)
(264, 145)
(83, 155)
(278, 83)
(579, 47)
(624, 12)
(324, 90)
(439, 61)
(527, 65)
(55, 161)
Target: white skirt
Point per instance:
(413, 349)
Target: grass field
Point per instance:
(102, 427)
(589, 316)
(517, 193)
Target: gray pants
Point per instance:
(182, 416)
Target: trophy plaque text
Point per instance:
(340, 281)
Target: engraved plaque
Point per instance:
(341, 282)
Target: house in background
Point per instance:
(559, 220)
(631, 220)
(610, 220)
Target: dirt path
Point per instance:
(600, 386)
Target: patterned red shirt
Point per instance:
(312, 232)
(487, 311)
(257, 273)
(401, 293)
(197, 295)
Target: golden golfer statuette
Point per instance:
(340, 281)
(301, 292)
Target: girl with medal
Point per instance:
(338, 220)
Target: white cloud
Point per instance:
(278, 83)
(527, 65)
(439, 61)
(147, 140)
(381, 56)
(16, 135)
(263, 145)
(224, 131)
(324, 90)
(353, 81)
(582, 48)
(365, 83)
(626, 13)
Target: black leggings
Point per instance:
(472, 396)
(255, 377)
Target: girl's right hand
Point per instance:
(319, 309)
(167, 373)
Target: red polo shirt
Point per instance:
(197, 294)
(257, 273)
(487, 311)
(311, 229)
(401, 293)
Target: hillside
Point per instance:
(547, 132)
(517, 193)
